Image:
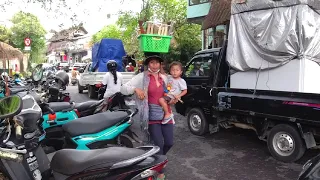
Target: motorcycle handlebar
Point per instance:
(49, 109)
(18, 123)
(18, 131)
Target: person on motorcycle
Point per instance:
(112, 81)
(4, 89)
(74, 74)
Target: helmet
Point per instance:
(112, 65)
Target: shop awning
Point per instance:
(9, 52)
(219, 14)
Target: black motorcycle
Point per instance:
(23, 158)
(51, 84)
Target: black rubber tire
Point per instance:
(91, 92)
(80, 89)
(299, 144)
(204, 125)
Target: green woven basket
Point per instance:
(154, 43)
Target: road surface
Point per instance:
(229, 154)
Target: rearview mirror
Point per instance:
(81, 70)
(37, 73)
(10, 106)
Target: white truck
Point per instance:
(92, 81)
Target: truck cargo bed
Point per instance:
(295, 107)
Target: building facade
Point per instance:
(69, 45)
(201, 12)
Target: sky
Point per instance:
(93, 13)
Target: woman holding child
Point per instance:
(149, 88)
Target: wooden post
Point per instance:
(152, 28)
(165, 33)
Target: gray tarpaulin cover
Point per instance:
(266, 34)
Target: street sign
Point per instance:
(27, 48)
(27, 41)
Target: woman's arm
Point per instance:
(129, 87)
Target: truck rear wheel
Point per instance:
(92, 92)
(285, 143)
(197, 122)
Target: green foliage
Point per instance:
(111, 31)
(27, 25)
(128, 22)
(5, 34)
(187, 36)
(37, 56)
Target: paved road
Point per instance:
(230, 154)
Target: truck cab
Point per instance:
(198, 102)
(287, 121)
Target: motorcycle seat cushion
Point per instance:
(94, 123)
(72, 161)
(17, 90)
(60, 106)
(86, 105)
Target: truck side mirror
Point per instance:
(81, 70)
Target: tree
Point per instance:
(186, 37)
(28, 25)
(111, 31)
(128, 22)
(5, 35)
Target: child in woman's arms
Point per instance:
(177, 87)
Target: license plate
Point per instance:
(33, 166)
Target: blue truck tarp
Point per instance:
(107, 49)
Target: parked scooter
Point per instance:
(22, 157)
(56, 116)
(91, 132)
(51, 84)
